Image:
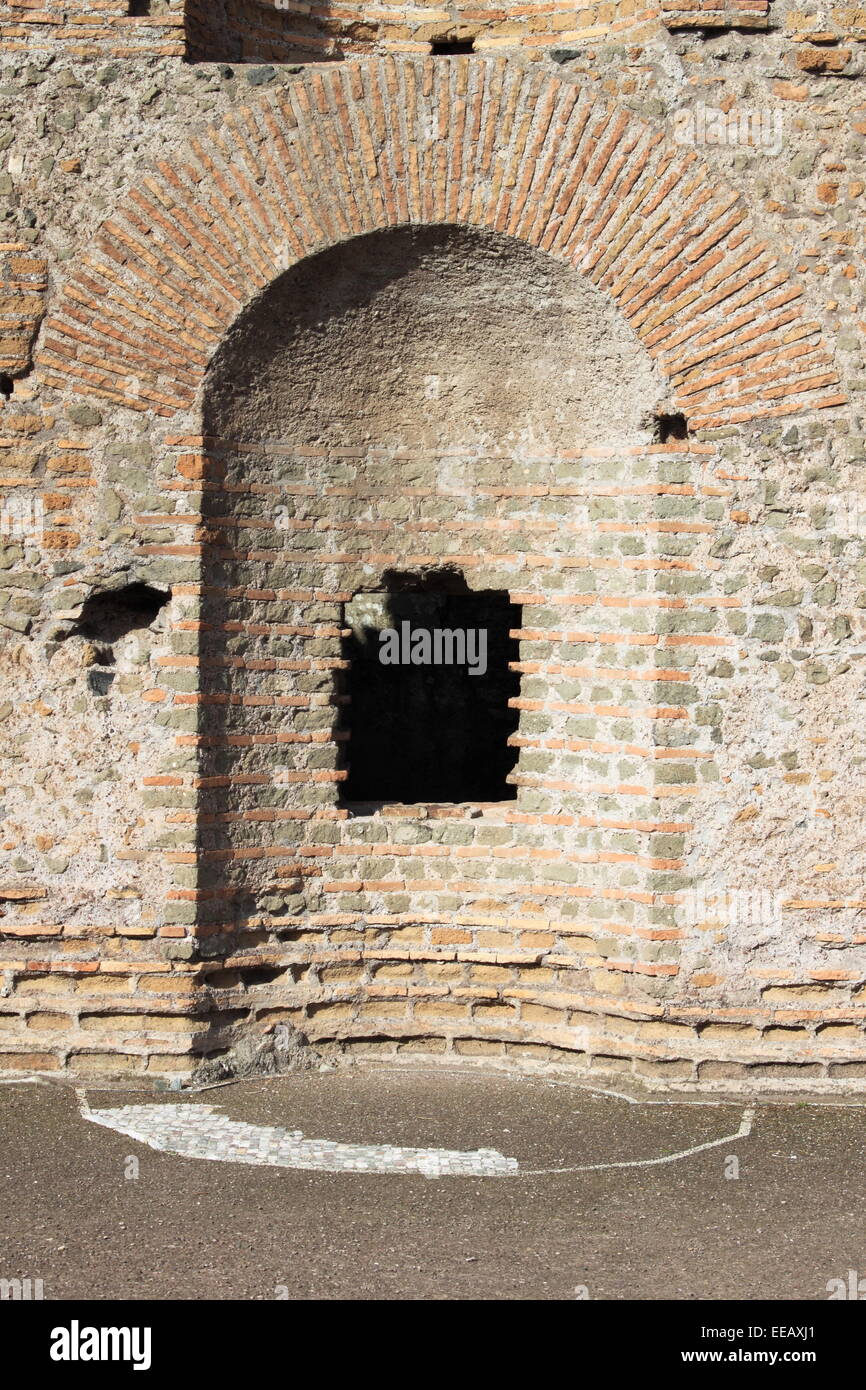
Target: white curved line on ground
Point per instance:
(742, 1133)
(200, 1131)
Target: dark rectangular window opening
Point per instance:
(425, 714)
(444, 48)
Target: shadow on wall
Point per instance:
(434, 338)
(258, 31)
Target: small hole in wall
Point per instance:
(108, 616)
(100, 682)
(7, 385)
(670, 427)
(444, 48)
(139, 7)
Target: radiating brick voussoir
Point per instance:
(341, 154)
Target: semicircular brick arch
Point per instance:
(344, 152)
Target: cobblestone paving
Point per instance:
(201, 1131)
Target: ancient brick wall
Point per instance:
(265, 31)
(242, 30)
(93, 28)
(617, 378)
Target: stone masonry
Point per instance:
(565, 303)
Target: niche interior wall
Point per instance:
(281, 325)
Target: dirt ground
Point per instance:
(773, 1213)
